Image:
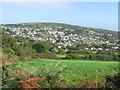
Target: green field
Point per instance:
(61, 55)
(75, 69)
(117, 53)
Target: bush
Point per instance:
(61, 51)
(101, 57)
(72, 56)
(114, 80)
(116, 57)
(47, 56)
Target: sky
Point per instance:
(89, 14)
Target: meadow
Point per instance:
(72, 71)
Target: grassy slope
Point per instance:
(76, 69)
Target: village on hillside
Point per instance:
(62, 38)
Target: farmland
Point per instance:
(74, 69)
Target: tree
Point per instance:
(41, 47)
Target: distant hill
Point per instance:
(63, 32)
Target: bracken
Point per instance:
(31, 83)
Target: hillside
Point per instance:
(54, 55)
(58, 32)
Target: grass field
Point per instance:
(75, 69)
(61, 55)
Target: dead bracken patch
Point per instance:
(31, 83)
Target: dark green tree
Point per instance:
(41, 47)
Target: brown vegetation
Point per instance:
(30, 83)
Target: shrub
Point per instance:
(47, 56)
(113, 80)
(72, 56)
